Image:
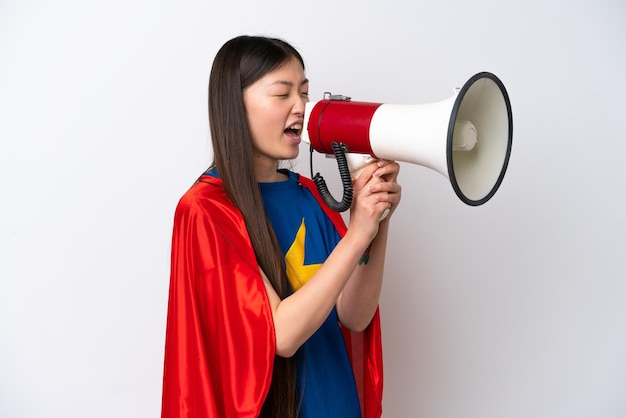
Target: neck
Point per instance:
(269, 174)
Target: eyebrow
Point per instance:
(289, 83)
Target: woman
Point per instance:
(271, 296)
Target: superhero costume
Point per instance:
(220, 342)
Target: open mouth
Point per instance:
(294, 130)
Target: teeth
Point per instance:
(297, 126)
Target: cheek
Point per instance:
(263, 130)
(254, 117)
(266, 119)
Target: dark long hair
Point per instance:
(237, 65)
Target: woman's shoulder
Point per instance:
(206, 207)
(205, 194)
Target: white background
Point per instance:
(516, 308)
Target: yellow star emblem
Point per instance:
(297, 272)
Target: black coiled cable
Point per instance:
(344, 171)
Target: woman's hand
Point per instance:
(375, 191)
(388, 171)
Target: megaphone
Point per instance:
(467, 138)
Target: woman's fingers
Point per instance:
(376, 191)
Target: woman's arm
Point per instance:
(359, 299)
(299, 315)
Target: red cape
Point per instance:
(220, 342)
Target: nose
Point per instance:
(299, 105)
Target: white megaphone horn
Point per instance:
(467, 137)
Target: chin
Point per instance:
(293, 152)
(291, 156)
